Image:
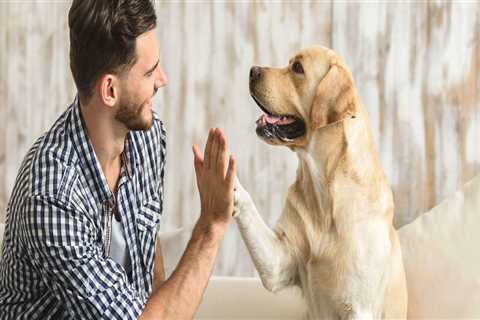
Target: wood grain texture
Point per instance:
(416, 67)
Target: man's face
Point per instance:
(139, 85)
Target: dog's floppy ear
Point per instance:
(335, 98)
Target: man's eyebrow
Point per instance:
(153, 68)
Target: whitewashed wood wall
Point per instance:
(416, 66)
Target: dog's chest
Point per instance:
(347, 276)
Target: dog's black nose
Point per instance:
(255, 73)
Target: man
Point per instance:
(84, 212)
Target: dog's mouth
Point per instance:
(272, 127)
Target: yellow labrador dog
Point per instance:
(335, 239)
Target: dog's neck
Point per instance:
(340, 162)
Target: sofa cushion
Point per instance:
(442, 258)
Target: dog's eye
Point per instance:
(297, 67)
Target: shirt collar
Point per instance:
(130, 155)
(88, 159)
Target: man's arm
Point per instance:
(179, 296)
(158, 268)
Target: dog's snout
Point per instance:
(255, 73)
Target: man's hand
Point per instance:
(179, 296)
(216, 172)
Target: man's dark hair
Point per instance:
(102, 38)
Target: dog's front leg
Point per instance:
(269, 254)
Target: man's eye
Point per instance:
(297, 68)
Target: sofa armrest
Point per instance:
(230, 298)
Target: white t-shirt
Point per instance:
(118, 247)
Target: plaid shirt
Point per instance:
(55, 262)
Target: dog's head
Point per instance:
(312, 92)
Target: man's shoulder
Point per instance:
(49, 161)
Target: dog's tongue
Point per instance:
(272, 119)
(266, 118)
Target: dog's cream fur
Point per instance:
(335, 238)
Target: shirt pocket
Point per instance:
(148, 221)
(148, 217)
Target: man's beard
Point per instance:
(130, 114)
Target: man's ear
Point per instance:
(335, 98)
(107, 86)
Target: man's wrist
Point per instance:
(212, 231)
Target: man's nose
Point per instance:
(255, 73)
(161, 79)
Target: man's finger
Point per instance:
(197, 161)
(215, 148)
(197, 153)
(207, 160)
(232, 171)
(222, 156)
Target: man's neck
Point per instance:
(107, 137)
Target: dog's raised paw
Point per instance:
(241, 198)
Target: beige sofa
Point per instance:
(232, 298)
(442, 258)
